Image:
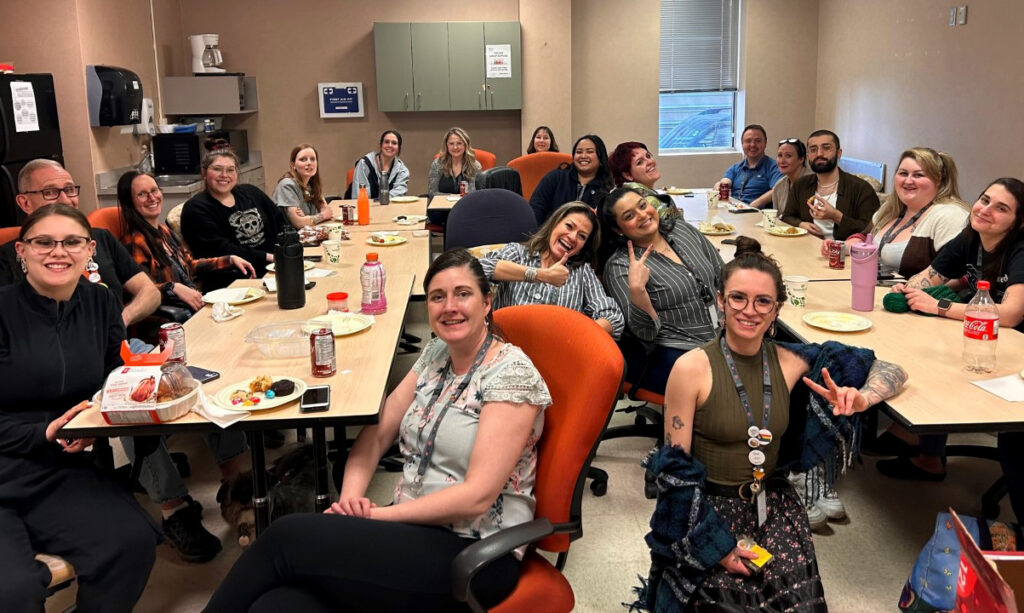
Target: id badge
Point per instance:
(762, 508)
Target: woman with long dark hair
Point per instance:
(543, 139)
(382, 166)
(587, 179)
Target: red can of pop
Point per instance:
(321, 352)
(724, 190)
(173, 331)
(836, 255)
(463, 186)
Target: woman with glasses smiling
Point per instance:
(721, 472)
(230, 219)
(60, 338)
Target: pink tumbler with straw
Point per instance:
(864, 275)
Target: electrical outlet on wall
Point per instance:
(952, 16)
(961, 15)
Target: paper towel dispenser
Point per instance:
(115, 96)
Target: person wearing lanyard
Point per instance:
(382, 168)
(753, 177)
(990, 248)
(467, 418)
(661, 273)
(728, 408)
(923, 213)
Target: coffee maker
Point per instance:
(206, 57)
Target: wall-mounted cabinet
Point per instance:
(210, 95)
(444, 66)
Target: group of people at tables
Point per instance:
(469, 413)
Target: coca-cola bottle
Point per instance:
(981, 331)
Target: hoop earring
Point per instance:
(24, 267)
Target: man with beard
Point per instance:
(753, 177)
(829, 203)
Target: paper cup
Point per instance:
(334, 231)
(332, 251)
(796, 288)
(770, 217)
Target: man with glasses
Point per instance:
(830, 204)
(43, 182)
(753, 177)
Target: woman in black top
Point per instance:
(59, 337)
(230, 219)
(586, 180)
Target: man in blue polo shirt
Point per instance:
(753, 177)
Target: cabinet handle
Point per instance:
(418, 103)
(492, 99)
(405, 102)
(479, 101)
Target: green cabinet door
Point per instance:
(392, 48)
(430, 67)
(505, 93)
(466, 65)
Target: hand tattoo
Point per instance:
(885, 380)
(677, 424)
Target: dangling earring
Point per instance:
(24, 267)
(771, 329)
(93, 268)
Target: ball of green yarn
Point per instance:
(895, 302)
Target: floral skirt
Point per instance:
(789, 583)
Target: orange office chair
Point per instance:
(9, 234)
(348, 183)
(583, 369)
(534, 166)
(486, 159)
(108, 218)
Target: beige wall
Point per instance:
(290, 51)
(547, 69)
(893, 75)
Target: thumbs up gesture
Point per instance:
(556, 274)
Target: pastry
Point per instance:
(260, 384)
(283, 387)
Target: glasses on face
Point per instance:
(738, 302)
(789, 141)
(45, 244)
(153, 193)
(223, 170)
(52, 193)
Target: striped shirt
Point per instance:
(582, 291)
(681, 300)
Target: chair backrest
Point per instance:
(9, 234)
(583, 369)
(108, 218)
(489, 216)
(532, 168)
(500, 177)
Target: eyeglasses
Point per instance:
(52, 193)
(153, 193)
(789, 141)
(223, 170)
(762, 304)
(45, 244)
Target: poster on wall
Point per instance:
(499, 61)
(24, 101)
(340, 100)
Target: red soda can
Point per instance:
(321, 353)
(173, 332)
(723, 192)
(348, 216)
(463, 186)
(836, 256)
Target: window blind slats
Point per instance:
(699, 45)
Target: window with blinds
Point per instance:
(699, 74)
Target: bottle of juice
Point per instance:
(372, 278)
(363, 206)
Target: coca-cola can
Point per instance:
(836, 255)
(348, 214)
(173, 332)
(463, 186)
(724, 189)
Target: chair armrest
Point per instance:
(172, 313)
(481, 553)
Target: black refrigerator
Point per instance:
(28, 130)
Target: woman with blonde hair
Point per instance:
(300, 192)
(454, 164)
(923, 213)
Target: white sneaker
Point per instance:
(831, 506)
(815, 516)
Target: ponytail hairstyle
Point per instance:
(750, 257)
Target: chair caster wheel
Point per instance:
(599, 488)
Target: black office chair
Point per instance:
(500, 177)
(489, 216)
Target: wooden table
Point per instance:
(411, 257)
(441, 202)
(382, 217)
(358, 388)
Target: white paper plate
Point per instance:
(223, 397)
(386, 241)
(453, 198)
(342, 324)
(409, 220)
(306, 265)
(786, 231)
(234, 295)
(710, 230)
(836, 321)
(404, 199)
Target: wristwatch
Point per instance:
(944, 307)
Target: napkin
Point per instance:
(1010, 387)
(216, 413)
(319, 273)
(223, 311)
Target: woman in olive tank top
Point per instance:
(729, 404)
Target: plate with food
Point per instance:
(261, 393)
(409, 220)
(836, 321)
(718, 228)
(342, 324)
(234, 295)
(740, 207)
(306, 265)
(677, 191)
(404, 199)
(786, 231)
(385, 240)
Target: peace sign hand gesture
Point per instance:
(638, 271)
(843, 400)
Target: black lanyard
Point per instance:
(428, 445)
(742, 390)
(910, 222)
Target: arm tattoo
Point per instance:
(885, 380)
(928, 278)
(668, 439)
(677, 424)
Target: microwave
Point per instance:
(180, 154)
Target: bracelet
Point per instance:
(530, 275)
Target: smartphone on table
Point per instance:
(202, 375)
(315, 399)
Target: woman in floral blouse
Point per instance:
(467, 419)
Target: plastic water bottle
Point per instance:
(371, 277)
(981, 331)
(385, 196)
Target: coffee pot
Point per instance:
(206, 56)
